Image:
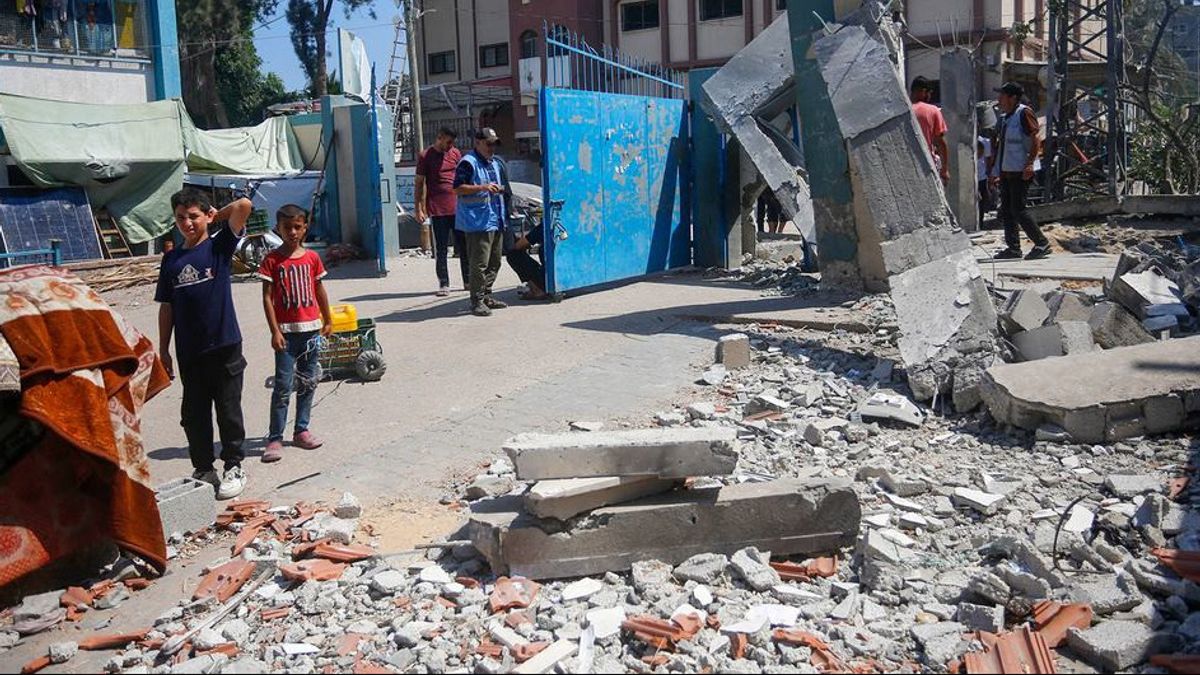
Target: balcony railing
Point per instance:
(102, 28)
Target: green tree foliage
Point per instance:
(309, 22)
(223, 85)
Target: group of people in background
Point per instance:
(1007, 162)
(468, 200)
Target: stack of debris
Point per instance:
(1160, 286)
(603, 501)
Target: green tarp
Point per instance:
(131, 158)
(269, 148)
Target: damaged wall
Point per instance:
(947, 320)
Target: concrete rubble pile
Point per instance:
(1103, 367)
(956, 563)
(602, 501)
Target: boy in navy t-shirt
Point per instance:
(194, 289)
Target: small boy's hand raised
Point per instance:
(278, 343)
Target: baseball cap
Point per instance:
(1011, 89)
(487, 134)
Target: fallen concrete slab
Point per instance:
(1059, 267)
(786, 517)
(565, 499)
(757, 84)
(661, 453)
(908, 234)
(1092, 208)
(1101, 396)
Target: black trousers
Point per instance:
(527, 268)
(214, 380)
(443, 233)
(1014, 191)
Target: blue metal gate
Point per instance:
(614, 143)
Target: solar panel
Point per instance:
(31, 217)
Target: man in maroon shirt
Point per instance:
(436, 200)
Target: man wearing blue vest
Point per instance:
(482, 213)
(1012, 168)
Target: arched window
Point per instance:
(529, 44)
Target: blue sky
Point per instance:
(278, 57)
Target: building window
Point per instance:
(711, 10)
(529, 44)
(99, 28)
(639, 15)
(491, 56)
(442, 62)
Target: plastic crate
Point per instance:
(341, 350)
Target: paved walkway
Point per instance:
(457, 385)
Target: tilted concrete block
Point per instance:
(1066, 306)
(1024, 311)
(733, 351)
(1039, 343)
(1137, 291)
(661, 453)
(186, 506)
(1113, 326)
(786, 517)
(565, 499)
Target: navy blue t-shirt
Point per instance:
(196, 282)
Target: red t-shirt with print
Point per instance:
(294, 289)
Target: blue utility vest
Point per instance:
(483, 211)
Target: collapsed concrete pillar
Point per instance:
(1101, 397)
(785, 517)
(958, 106)
(755, 86)
(946, 317)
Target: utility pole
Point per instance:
(410, 28)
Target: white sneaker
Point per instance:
(232, 484)
(209, 477)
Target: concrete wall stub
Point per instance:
(662, 453)
(958, 106)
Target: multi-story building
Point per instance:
(480, 59)
(103, 51)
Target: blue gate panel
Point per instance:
(615, 163)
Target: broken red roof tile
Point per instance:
(467, 582)
(662, 634)
(137, 584)
(348, 643)
(1179, 664)
(306, 549)
(447, 603)
(117, 641)
(766, 415)
(35, 665)
(517, 619)
(76, 597)
(1054, 620)
(223, 582)
(312, 570)
(1018, 651)
(822, 657)
(228, 649)
(490, 649)
(402, 602)
(343, 553)
(515, 593)
(277, 613)
(737, 646)
(524, 652)
(304, 513)
(101, 588)
(75, 614)
(807, 570)
(1184, 563)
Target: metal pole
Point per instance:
(414, 70)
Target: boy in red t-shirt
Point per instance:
(297, 310)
